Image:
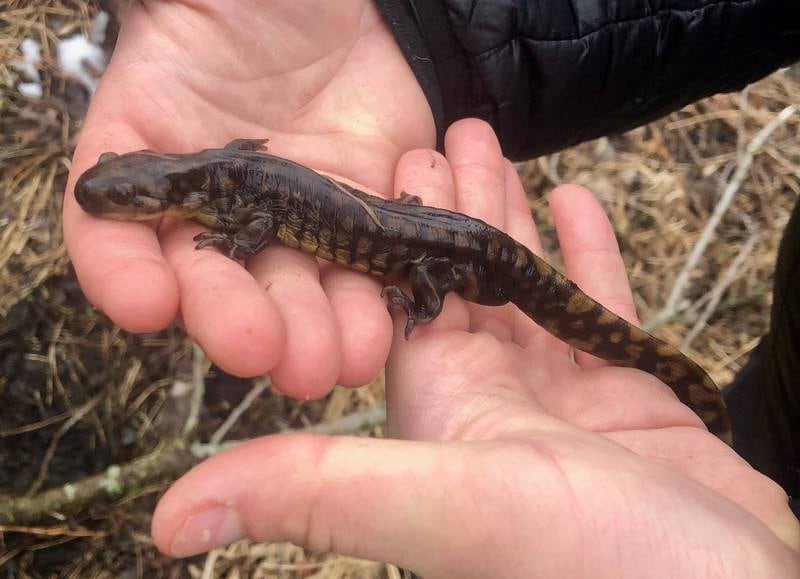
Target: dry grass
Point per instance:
(80, 395)
(660, 183)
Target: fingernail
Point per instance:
(207, 530)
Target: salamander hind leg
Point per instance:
(431, 279)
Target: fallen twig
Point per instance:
(165, 463)
(76, 417)
(116, 481)
(259, 386)
(51, 531)
(198, 391)
(673, 305)
(730, 275)
(30, 427)
(372, 416)
(208, 567)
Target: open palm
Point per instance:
(517, 461)
(326, 83)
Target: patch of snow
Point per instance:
(77, 56)
(31, 90)
(97, 34)
(31, 57)
(29, 68)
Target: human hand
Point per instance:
(326, 83)
(520, 462)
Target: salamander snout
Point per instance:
(103, 194)
(122, 187)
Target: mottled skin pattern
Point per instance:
(249, 199)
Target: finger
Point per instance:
(310, 365)
(426, 174)
(478, 167)
(434, 508)
(383, 500)
(520, 225)
(330, 495)
(119, 264)
(518, 219)
(223, 308)
(476, 160)
(591, 255)
(363, 321)
(365, 327)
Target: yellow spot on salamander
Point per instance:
(363, 246)
(577, 324)
(544, 268)
(589, 345)
(634, 351)
(309, 243)
(670, 371)
(579, 303)
(207, 219)
(324, 236)
(666, 350)
(286, 236)
(605, 318)
(380, 261)
(343, 256)
(638, 335)
(324, 252)
(520, 258)
(615, 337)
(342, 239)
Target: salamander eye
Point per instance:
(122, 194)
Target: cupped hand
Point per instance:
(519, 461)
(327, 84)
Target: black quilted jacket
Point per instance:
(551, 73)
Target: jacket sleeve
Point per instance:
(548, 74)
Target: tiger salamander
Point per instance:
(250, 198)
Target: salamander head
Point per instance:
(142, 185)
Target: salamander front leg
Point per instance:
(255, 235)
(409, 199)
(430, 280)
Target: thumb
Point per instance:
(396, 501)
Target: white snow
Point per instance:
(31, 57)
(98, 32)
(28, 67)
(31, 90)
(81, 59)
